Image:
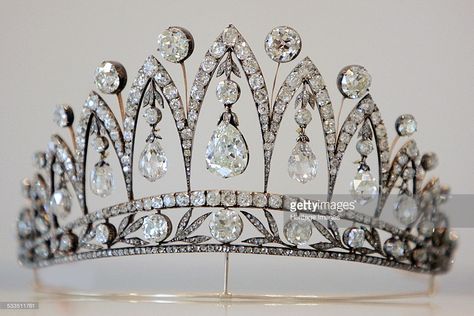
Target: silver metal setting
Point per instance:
(40, 230)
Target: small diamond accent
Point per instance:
(259, 200)
(152, 115)
(198, 198)
(213, 198)
(275, 201)
(244, 199)
(228, 92)
(395, 248)
(169, 200)
(182, 199)
(228, 198)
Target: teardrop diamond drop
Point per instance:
(364, 187)
(302, 164)
(227, 154)
(153, 163)
(102, 179)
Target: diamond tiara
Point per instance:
(421, 241)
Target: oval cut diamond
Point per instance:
(227, 154)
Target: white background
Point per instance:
(418, 52)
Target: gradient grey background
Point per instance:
(420, 55)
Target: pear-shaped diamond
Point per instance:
(302, 164)
(227, 154)
(153, 163)
(364, 187)
(102, 179)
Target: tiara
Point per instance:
(203, 220)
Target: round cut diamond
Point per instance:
(39, 160)
(107, 78)
(405, 125)
(60, 202)
(302, 164)
(213, 198)
(152, 115)
(42, 251)
(406, 209)
(198, 198)
(102, 180)
(354, 81)
(298, 232)
(153, 163)
(283, 44)
(354, 237)
(104, 233)
(174, 44)
(100, 144)
(67, 242)
(156, 228)
(426, 228)
(63, 115)
(429, 161)
(364, 187)
(225, 225)
(303, 117)
(228, 92)
(230, 35)
(364, 147)
(227, 153)
(394, 248)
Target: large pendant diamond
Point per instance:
(102, 180)
(227, 154)
(364, 187)
(153, 163)
(302, 164)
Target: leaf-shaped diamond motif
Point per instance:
(183, 223)
(133, 227)
(135, 241)
(127, 220)
(323, 246)
(272, 223)
(191, 228)
(258, 241)
(256, 222)
(325, 232)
